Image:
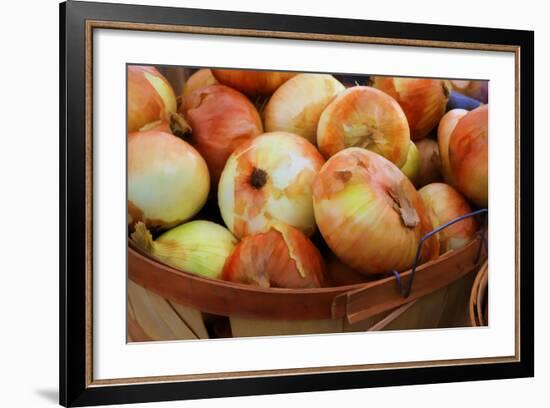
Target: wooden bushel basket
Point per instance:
(167, 304)
(478, 304)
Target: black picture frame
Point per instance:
(75, 389)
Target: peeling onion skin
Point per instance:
(198, 247)
(370, 214)
(268, 179)
(199, 80)
(296, 106)
(150, 97)
(468, 155)
(282, 257)
(365, 117)
(445, 129)
(429, 170)
(252, 82)
(424, 101)
(445, 204)
(168, 180)
(221, 119)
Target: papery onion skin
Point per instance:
(221, 119)
(364, 117)
(444, 204)
(199, 80)
(150, 97)
(252, 82)
(269, 178)
(296, 105)
(412, 164)
(423, 100)
(281, 257)
(444, 132)
(429, 170)
(197, 247)
(468, 155)
(474, 89)
(168, 180)
(370, 214)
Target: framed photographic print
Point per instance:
(256, 203)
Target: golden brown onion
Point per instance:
(297, 105)
(150, 97)
(364, 117)
(252, 82)
(445, 204)
(423, 100)
(370, 214)
(468, 155)
(269, 178)
(199, 80)
(221, 119)
(444, 131)
(281, 257)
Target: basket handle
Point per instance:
(380, 296)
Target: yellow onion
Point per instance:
(297, 105)
(364, 117)
(150, 97)
(412, 164)
(198, 247)
(370, 214)
(268, 179)
(445, 204)
(444, 131)
(423, 100)
(199, 80)
(468, 155)
(221, 119)
(251, 82)
(474, 89)
(281, 257)
(430, 163)
(168, 179)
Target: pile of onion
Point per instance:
(269, 178)
(364, 117)
(370, 214)
(168, 180)
(281, 257)
(463, 141)
(297, 105)
(423, 100)
(444, 204)
(252, 83)
(150, 99)
(198, 247)
(221, 119)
